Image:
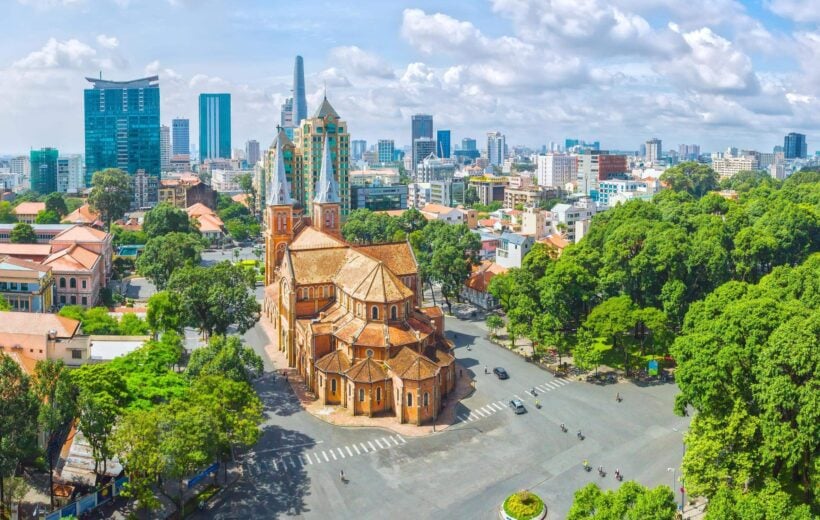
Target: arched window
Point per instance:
(394, 312)
(409, 399)
(426, 399)
(374, 312)
(378, 394)
(333, 386)
(62, 282)
(361, 395)
(72, 283)
(310, 293)
(406, 309)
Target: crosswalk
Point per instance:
(549, 386)
(287, 461)
(492, 408)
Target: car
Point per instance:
(517, 407)
(501, 373)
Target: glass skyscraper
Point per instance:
(214, 126)
(443, 144)
(180, 137)
(794, 146)
(44, 170)
(299, 98)
(122, 126)
(421, 127)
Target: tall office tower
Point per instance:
(70, 178)
(357, 149)
(385, 149)
(689, 152)
(598, 165)
(309, 138)
(423, 147)
(214, 126)
(122, 127)
(252, 154)
(286, 117)
(181, 137)
(44, 170)
(165, 148)
(421, 127)
(21, 167)
(496, 148)
(299, 98)
(443, 144)
(469, 145)
(654, 150)
(556, 169)
(794, 146)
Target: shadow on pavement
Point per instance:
(277, 395)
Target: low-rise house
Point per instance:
(27, 211)
(45, 232)
(444, 213)
(563, 217)
(30, 337)
(555, 241)
(93, 240)
(31, 252)
(83, 216)
(27, 286)
(186, 190)
(209, 224)
(512, 248)
(475, 288)
(79, 275)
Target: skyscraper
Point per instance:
(496, 148)
(165, 148)
(299, 99)
(423, 147)
(44, 170)
(385, 150)
(122, 126)
(181, 137)
(214, 126)
(654, 150)
(443, 144)
(286, 117)
(70, 177)
(794, 146)
(421, 127)
(357, 149)
(309, 139)
(252, 152)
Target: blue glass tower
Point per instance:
(443, 144)
(122, 126)
(794, 146)
(214, 126)
(181, 137)
(299, 98)
(44, 170)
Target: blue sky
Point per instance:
(711, 72)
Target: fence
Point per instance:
(88, 502)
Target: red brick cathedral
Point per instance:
(349, 317)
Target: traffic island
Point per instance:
(523, 505)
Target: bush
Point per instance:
(523, 505)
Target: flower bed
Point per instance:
(524, 506)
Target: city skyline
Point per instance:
(715, 73)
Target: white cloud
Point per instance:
(56, 54)
(360, 62)
(798, 10)
(107, 42)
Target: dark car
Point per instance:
(518, 407)
(501, 373)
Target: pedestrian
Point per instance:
(459, 373)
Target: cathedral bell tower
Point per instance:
(279, 217)
(327, 204)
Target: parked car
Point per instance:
(517, 407)
(501, 373)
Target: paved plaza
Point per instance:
(467, 470)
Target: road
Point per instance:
(467, 470)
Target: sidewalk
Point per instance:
(341, 416)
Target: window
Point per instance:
(84, 284)
(72, 283)
(426, 399)
(333, 386)
(73, 300)
(24, 287)
(84, 300)
(76, 354)
(374, 312)
(378, 394)
(62, 299)
(361, 395)
(394, 312)
(409, 399)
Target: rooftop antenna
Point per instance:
(325, 82)
(100, 74)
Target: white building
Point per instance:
(418, 194)
(512, 248)
(496, 148)
(654, 150)
(556, 169)
(165, 148)
(727, 167)
(70, 174)
(227, 181)
(444, 213)
(563, 217)
(610, 188)
(432, 168)
(21, 167)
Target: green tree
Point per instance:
(18, 419)
(612, 320)
(166, 253)
(97, 413)
(165, 218)
(136, 442)
(494, 322)
(692, 177)
(56, 203)
(245, 182)
(453, 253)
(217, 297)
(225, 356)
(111, 193)
(47, 217)
(165, 312)
(631, 501)
(7, 213)
(124, 237)
(133, 325)
(586, 355)
(97, 321)
(23, 233)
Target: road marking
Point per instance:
(341, 452)
(292, 464)
(371, 446)
(357, 450)
(502, 404)
(394, 440)
(497, 407)
(348, 450)
(478, 412)
(333, 455)
(540, 389)
(483, 409)
(379, 443)
(462, 418)
(282, 448)
(363, 447)
(562, 382)
(275, 465)
(401, 439)
(318, 460)
(325, 456)
(516, 396)
(386, 442)
(307, 457)
(551, 385)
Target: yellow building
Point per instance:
(26, 285)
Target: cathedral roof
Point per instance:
(369, 280)
(326, 109)
(311, 238)
(397, 256)
(278, 188)
(281, 139)
(367, 371)
(327, 189)
(336, 362)
(409, 364)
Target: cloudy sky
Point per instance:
(712, 72)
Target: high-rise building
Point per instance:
(252, 155)
(556, 169)
(385, 150)
(443, 144)
(299, 98)
(795, 146)
(21, 167)
(44, 170)
(598, 165)
(496, 148)
(468, 144)
(357, 149)
(421, 126)
(165, 148)
(689, 152)
(181, 137)
(286, 116)
(654, 150)
(423, 147)
(70, 178)
(309, 138)
(122, 128)
(214, 126)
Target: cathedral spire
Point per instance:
(278, 190)
(327, 190)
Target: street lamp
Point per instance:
(674, 483)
